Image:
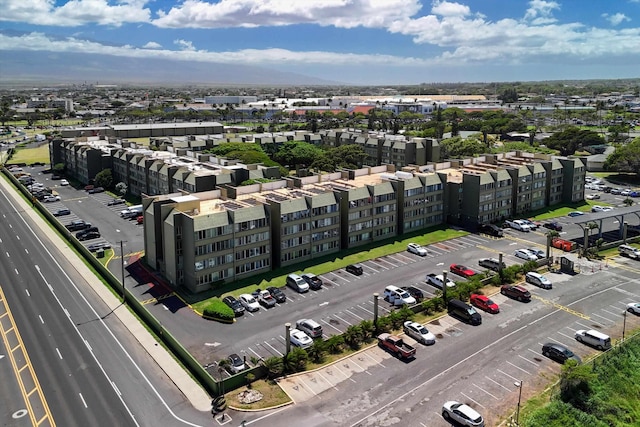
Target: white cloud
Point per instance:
(540, 12)
(444, 8)
(152, 45)
(184, 44)
(616, 18)
(255, 13)
(74, 12)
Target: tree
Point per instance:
(274, 365)
(104, 179)
(456, 147)
(296, 360)
(58, 168)
(573, 138)
(626, 158)
(509, 95)
(121, 188)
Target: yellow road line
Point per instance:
(623, 266)
(154, 300)
(561, 307)
(27, 364)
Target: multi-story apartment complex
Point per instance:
(202, 239)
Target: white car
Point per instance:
(597, 208)
(462, 414)
(538, 279)
(437, 280)
(518, 224)
(532, 225)
(537, 252)
(592, 197)
(525, 254)
(64, 182)
(48, 199)
(419, 333)
(249, 302)
(236, 363)
(634, 308)
(300, 339)
(415, 248)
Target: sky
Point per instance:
(367, 42)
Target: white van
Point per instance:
(131, 211)
(629, 251)
(297, 283)
(594, 338)
(397, 296)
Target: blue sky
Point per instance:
(348, 41)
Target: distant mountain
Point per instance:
(55, 67)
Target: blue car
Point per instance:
(634, 194)
(575, 213)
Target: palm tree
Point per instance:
(551, 234)
(590, 226)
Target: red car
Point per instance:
(140, 219)
(461, 270)
(484, 303)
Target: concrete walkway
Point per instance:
(196, 395)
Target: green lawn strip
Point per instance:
(619, 178)
(331, 262)
(30, 155)
(562, 210)
(272, 396)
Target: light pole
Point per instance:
(519, 385)
(624, 323)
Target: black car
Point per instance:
(96, 190)
(62, 212)
(491, 229)
(88, 235)
(559, 353)
(414, 292)
(277, 294)
(553, 226)
(116, 202)
(314, 281)
(78, 225)
(355, 269)
(235, 305)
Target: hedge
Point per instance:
(218, 310)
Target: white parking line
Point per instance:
(402, 255)
(389, 262)
(368, 311)
(274, 349)
(354, 315)
(398, 260)
(497, 383)
(583, 325)
(351, 360)
(608, 320)
(305, 384)
(481, 389)
(252, 351)
(378, 264)
(366, 353)
(505, 374)
(345, 375)
(472, 400)
(524, 358)
(330, 383)
(535, 352)
(329, 324)
(518, 367)
(565, 335)
(342, 319)
(380, 306)
(610, 312)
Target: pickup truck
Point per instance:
(437, 280)
(77, 225)
(266, 299)
(395, 345)
(518, 224)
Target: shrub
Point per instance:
(317, 351)
(335, 343)
(218, 310)
(295, 361)
(368, 330)
(384, 325)
(353, 336)
(275, 366)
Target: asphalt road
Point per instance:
(90, 370)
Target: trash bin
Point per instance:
(100, 253)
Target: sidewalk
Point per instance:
(196, 395)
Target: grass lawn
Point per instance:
(335, 261)
(271, 392)
(619, 178)
(31, 155)
(563, 210)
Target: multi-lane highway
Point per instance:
(67, 359)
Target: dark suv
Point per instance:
(491, 229)
(355, 269)
(516, 292)
(234, 304)
(559, 353)
(414, 292)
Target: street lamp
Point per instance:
(124, 299)
(519, 385)
(624, 323)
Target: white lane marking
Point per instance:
(252, 351)
(481, 389)
(378, 264)
(345, 375)
(8, 256)
(83, 402)
(355, 363)
(366, 353)
(565, 335)
(27, 252)
(354, 315)
(329, 324)
(323, 303)
(507, 375)
(518, 367)
(17, 272)
(27, 291)
(41, 319)
(59, 354)
(305, 384)
(497, 383)
(116, 388)
(605, 318)
(472, 400)
(610, 312)
(524, 358)
(368, 311)
(324, 378)
(273, 348)
(342, 319)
